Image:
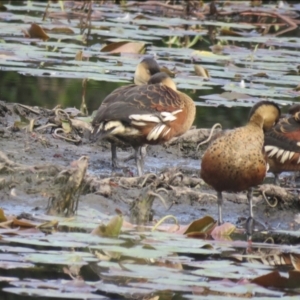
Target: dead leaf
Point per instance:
(229, 32)
(201, 226)
(35, 31)
(261, 74)
(124, 47)
(23, 223)
(62, 30)
(200, 71)
(275, 280)
(66, 126)
(223, 230)
(48, 225)
(79, 55)
(2, 216)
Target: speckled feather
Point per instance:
(234, 163)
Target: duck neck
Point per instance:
(257, 120)
(191, 109)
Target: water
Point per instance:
(49, 92)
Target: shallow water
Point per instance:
(49, 92)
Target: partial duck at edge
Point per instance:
(282, 144)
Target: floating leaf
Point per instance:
(201, 226)
(124, 47)
(223, 230)
(112, 229)
(51, 293)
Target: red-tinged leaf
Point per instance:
(124, 47)
(24, 223)
(275, 280)
(223, 230)
(201, 226)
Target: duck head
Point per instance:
(145, 69)
(265, 113)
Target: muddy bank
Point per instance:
(32, 159)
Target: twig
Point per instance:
(155, 3)
(286, 19)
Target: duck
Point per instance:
(148, 114)
(236, 160)
(282, 144)
(147, 67)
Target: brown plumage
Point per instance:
(144, 70)
(282, 144)
(236, 160)
(147, 114)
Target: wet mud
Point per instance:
(30, 162)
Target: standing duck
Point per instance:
(236, 161)
(152, 114)
(144, 70)
(282, 144)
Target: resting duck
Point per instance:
(152, 114)
(236, 161)
(144, 70)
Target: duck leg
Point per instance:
(140, 153)
(276, 180)
(249, 197)
(250, 223)
(114, 159)
(220, 202)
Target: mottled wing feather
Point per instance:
(285, 135)
(117, 94)
(154, 97)
(140, 100)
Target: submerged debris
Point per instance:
(70, 184)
